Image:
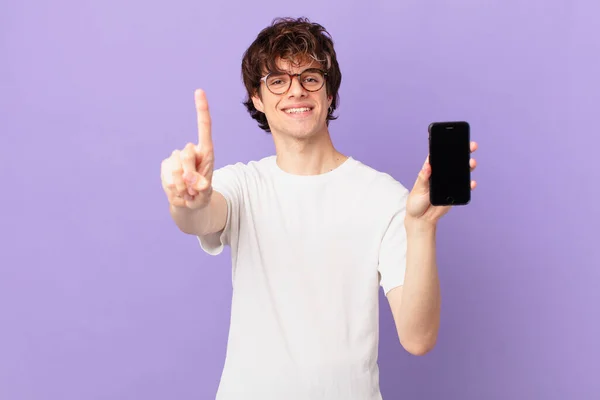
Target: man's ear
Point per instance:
(258, 104)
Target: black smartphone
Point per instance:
(449, 157)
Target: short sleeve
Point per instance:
(392, 251)
(227, 181)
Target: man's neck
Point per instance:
(308, 157)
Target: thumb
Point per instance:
(422, 183)
(196, 181)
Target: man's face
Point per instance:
(297, 113)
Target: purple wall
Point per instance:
(102, 298)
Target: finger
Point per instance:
(422, 182)
(206, 160)
(473, 185)
(200, 184)
(191, 191)
(180, 186)
(165, 174)
(426, 169)
(188, 164)
(472, 164)
(474, 146)
(176, 200)
(188, 160)
(177, 173)
(204, 121)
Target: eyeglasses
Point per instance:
(311, 79)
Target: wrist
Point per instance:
(419, 226)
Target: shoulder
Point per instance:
(379, 184)
(246, 170)
(243, 178)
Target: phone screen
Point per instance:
(449, 156)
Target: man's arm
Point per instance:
(202, 221)
(186, 178)
(416, 304)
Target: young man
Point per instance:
(313, 234)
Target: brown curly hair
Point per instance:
(296, 40)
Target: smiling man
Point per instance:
(314, 234)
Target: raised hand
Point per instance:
(187, 174)
(418, 206)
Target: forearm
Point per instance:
(203, 221)
(419, 314)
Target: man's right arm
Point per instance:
(187, 181)
(202, 221)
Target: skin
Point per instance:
(303, 146)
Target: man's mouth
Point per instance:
(298, 110)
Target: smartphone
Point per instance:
(449, 157)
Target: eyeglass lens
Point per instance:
(311, 80)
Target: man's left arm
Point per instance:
(416, 304)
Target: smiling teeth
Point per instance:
(297, 110)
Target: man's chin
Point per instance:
(303, 133)
(306, 130)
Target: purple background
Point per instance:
(101, 297)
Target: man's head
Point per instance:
(300, 105)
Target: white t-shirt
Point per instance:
(309, 254)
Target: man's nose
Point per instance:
(296, 89)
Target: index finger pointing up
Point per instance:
(204, 123)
